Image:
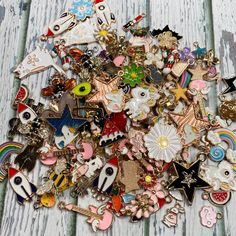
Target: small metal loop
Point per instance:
(205, 196)
(43, 38)
(120, 73)
(213, 122)
(196, 44)
(61, 205)
(37, 205)
(160, 168)
(219, 216)
(95, 49)
(168, 199)
(222, 97)
(201, 156)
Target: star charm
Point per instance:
(198, 72)
(189, 118)
(65, 120)
(180, 93)
(188, 180)
(231, 83)
(103, 88)
(56, 106)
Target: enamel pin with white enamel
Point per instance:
(22, 187)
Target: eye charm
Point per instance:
(82, 89)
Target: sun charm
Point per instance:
(162, 142)
(104, 34)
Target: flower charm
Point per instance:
(157, 192)
(32, 60)
(157, 195)
(103, 34)
(82, 9)
(186, 55)
(162, 142)
(133, 75)
(167, 40)
(142, 206)
(137, 142)
(147, 180)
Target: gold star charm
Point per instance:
(102, 89)
(189, 118)
(180, 93)
(198, 72)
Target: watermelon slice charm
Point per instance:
(21, 95)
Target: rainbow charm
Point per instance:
(6, 150)
(228, 137)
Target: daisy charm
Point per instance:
(162, 142)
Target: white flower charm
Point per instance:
(162, 142)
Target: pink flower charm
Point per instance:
(142, 206)
(155, 193)
(138, 143)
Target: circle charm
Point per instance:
(217, 153)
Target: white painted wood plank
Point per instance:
(124, 11)
(191, 20)
(25, 220)
(225, 35)
(12, 16)
(225, 46)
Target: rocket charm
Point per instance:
(104, 14)
(22, 187)
(26, 113)
(66, 22)
(107, 176)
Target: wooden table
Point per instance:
(211, 23)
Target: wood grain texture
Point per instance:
(25, 220)
(12, 18)
(224, 20)
(195, 20)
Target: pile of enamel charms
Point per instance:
(126, 121)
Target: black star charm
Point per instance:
(231, 83)
(188, 180)
(65, 120)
